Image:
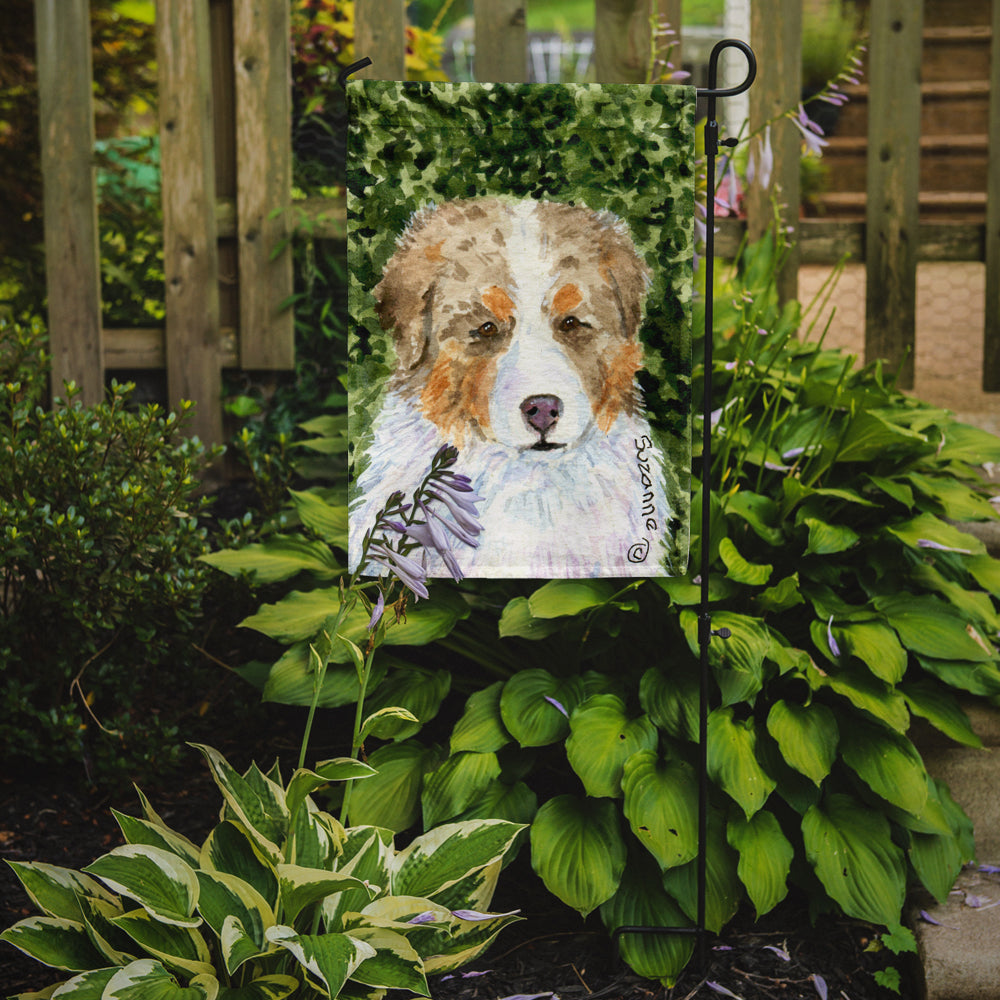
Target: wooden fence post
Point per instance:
(72, 254)
(261, 57)
(991, 333)
(190, 251)
(621, 40)
(501, 41)
(893, 183)
(776, 35)
(380, 34)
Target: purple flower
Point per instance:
(558, 705)
(377, 612)
(427, 917)
(834, 648)
(811, 132)
(820, 983)
(927, 543)
(760, 165)
(460, 503)
(719, 988)
(409, 571)
(780, 952)
(475, 915)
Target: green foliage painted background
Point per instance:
(627, 150)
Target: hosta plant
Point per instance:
(279, 900)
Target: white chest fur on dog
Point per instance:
(515, 328)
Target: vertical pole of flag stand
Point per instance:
(705, 630)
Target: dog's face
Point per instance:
(515, 321)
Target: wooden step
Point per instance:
(957, 206)
(956, 53)
(945, 103)
(940, 13)
(947, 163)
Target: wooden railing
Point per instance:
(226, 156)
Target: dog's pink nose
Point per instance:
(541, 412)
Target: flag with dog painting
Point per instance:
(521, 263)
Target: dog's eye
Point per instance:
(487, 329)
(571, 323)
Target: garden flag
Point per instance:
(520, 287)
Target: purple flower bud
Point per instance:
(427, 917)
(377, 612)
(834, 648)
(558, 705)
(820, 983)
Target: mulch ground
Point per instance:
(550, 953)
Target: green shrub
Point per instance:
(99, 539)
(279, 900)
(854, 602)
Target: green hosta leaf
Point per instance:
(517, 620)
(147, 979)
(516, 803)
(671, 700)
(291, 680)
(641, 901)
(275, 987)
(330, 959)
(54, 941)
(739, 569)
(395, 964)
(957, 501)
(924, 528)
(683, 591)
(732, 760)
(279, 558)
(865, 692)
(869, 436)
(56, 891)
(226, 898)
(783, 595)
(177, 947)
(723, 889)
(443, 856)
(850, 847)
(260, 806)
(976, 678)
(304, 782)
(141, 831)
(528, 710)
(888, 763)
(385, 723)
(456, 784)
(760, 512)
(418, 690)
(159, 881)
(986, 572)
(327, 520)
(481, 728)
(391, 798)
(941, 709)
(807, 736)
(661, 798)
(937, 859)
(975, 605)
(230, 849)
(765, 858)
(301, 887)
(931, 628)
(893, 488)
(965, 443)
(602, 738)
(828, 539)
(558, 598)
(578, 851)
(738, 661)
(876, 646)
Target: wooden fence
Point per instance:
(226, 160)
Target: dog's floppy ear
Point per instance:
(623, 269)
(403, 296)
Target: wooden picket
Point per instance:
(226, 160)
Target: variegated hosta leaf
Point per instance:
(395, 964)
(642, 902)
(661, 800)
(225, 897)
(476, 890)
(158, 880)
(147, 979)
(850, 847)
(441, 857)
(141, 831)
(456, 784)
(328, 959)
(56, 891)
(315, 838)
(765, 858)
(116, 947)
(304, 782)
(301, 887)
(481, 727)
(367, 853)
(465, 942)
(86, 986)
(230, 849)
(578, 851)
(54, 941)
(417, 690)
(177, 947)
(256, 801)
(732, 760)
(807, 736)
(274, 987)
(602, 737)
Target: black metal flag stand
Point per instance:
(705, 631)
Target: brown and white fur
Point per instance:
(515, 330)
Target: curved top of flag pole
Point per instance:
(713, 90)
